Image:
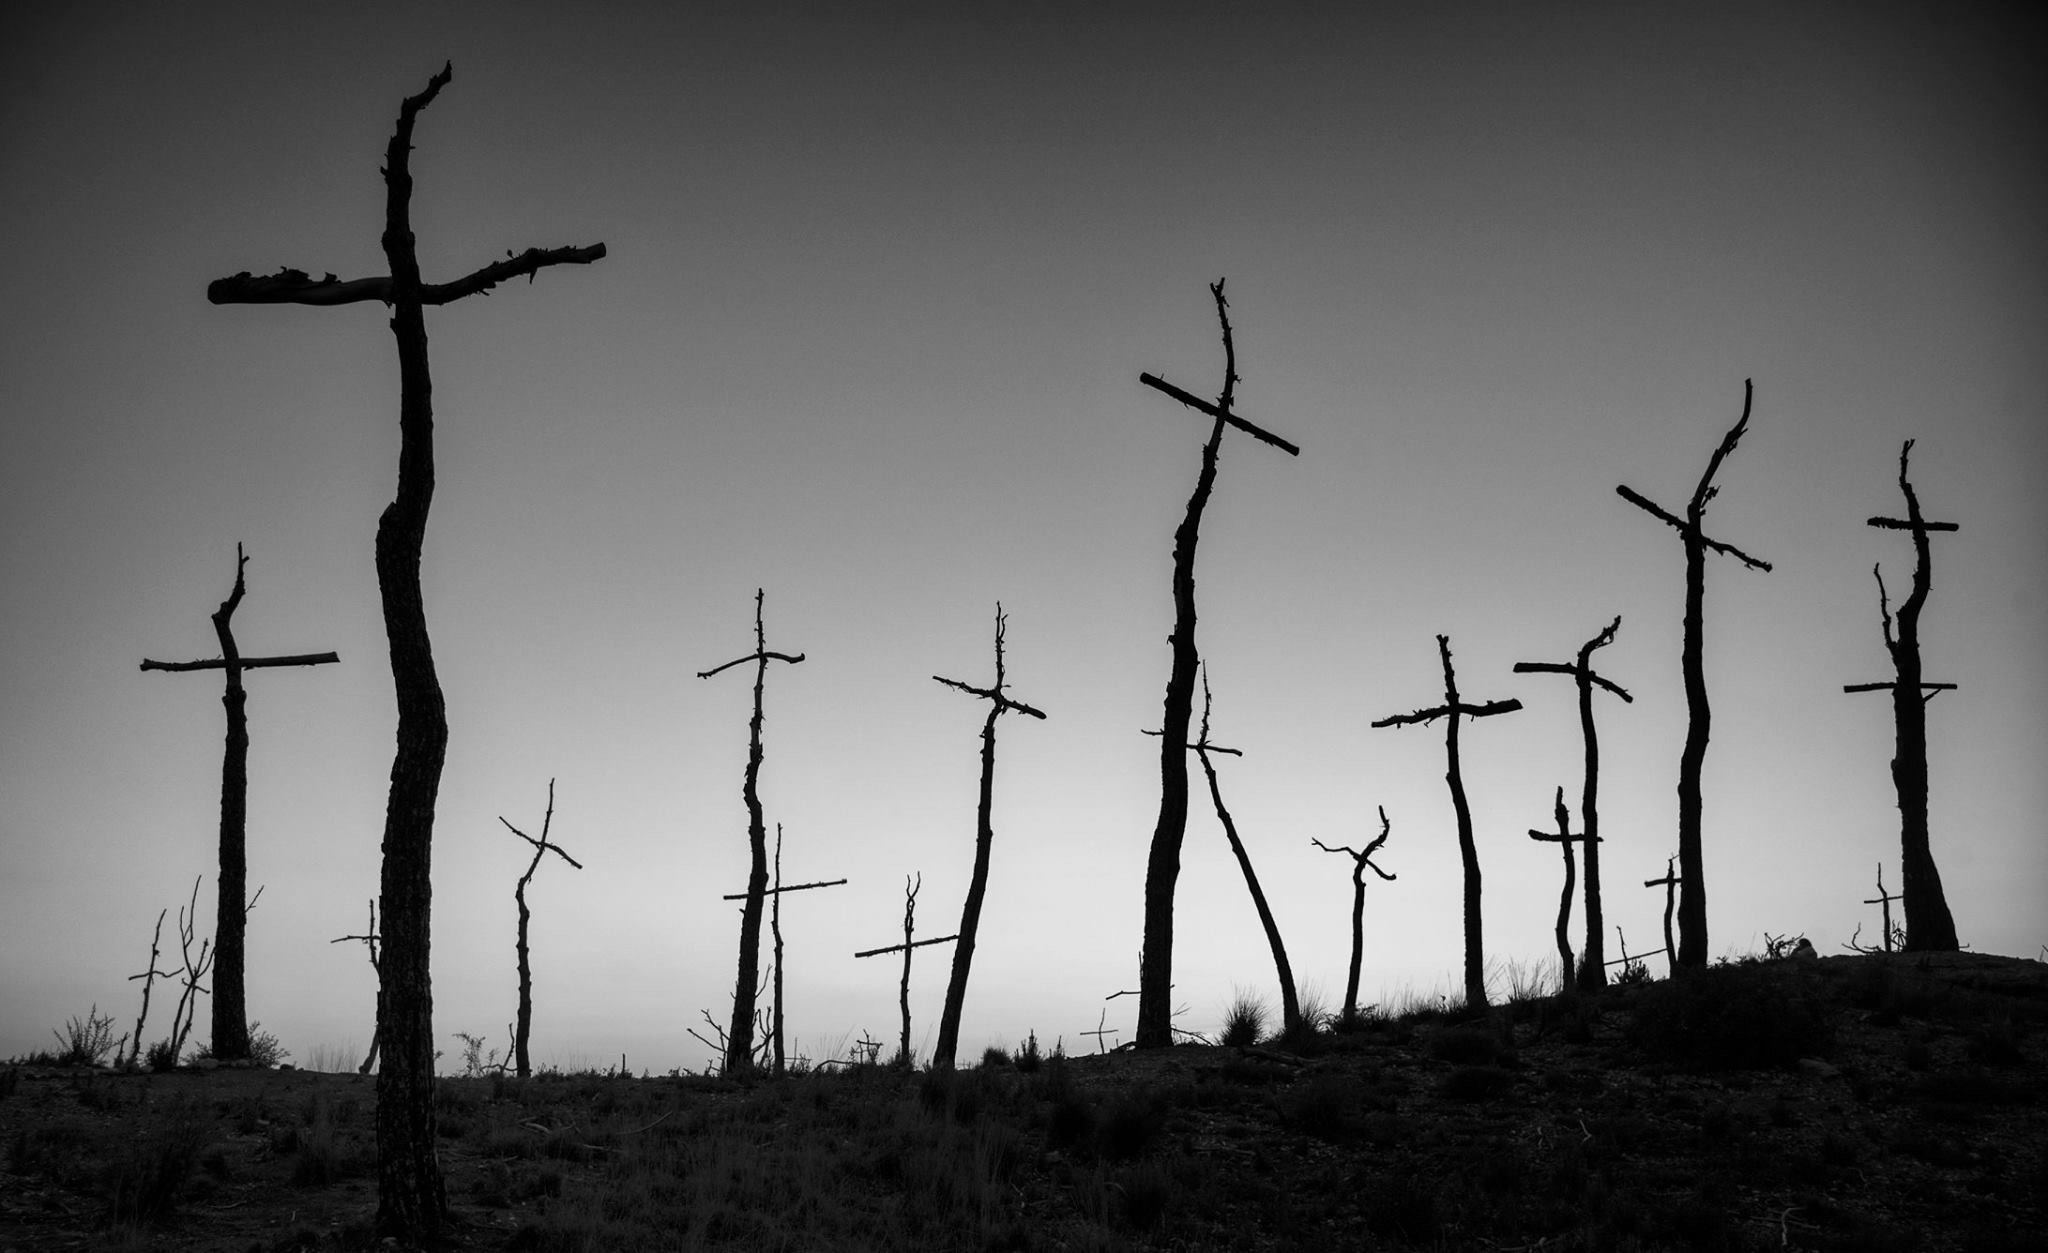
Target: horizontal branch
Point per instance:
(1002, 701)
(246, 663)
(897, 948)
(1487, 710)
(1904, 524)
(1557, 667)
(1887, 687)
(793, 887)
(1196, 402)
(1685, 528)
(296, 287)
(543, 843)
(760, 656)
(1198, 748)
(1636, 498)
(1555, 838)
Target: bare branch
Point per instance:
(1196, 402)
(296, 287)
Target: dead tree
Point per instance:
(1564, 839)
(411, 1203)
(1692, 905)
(1452, 711)
(1669, 883)
(1592, 975)
(523, 1028)
(1162, 867)
(1290, 1005)
(1893, 938)
(369, 938)
(1930, 928)
(230, 1006)
(775, 930)
(1360, 862)
(739, 1055)
(149, 976)
(194, 970)
(999, 703)
(909, 945)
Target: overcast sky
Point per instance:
(868, 337)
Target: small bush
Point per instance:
(1244, 1022)
(162, 1056)
(86, 1042)
(993, 1058)
(1733, 1018)
(1027, 1056)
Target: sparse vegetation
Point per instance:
(1431, 1129)
(1244, 1020)
(86, 1041)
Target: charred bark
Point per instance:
(411, 1200)
(522, 1028)
(739, 1052)
(1360, 861)
(1592, 973)
(907, 948)
(1564, 839)
(1930, 927)
(1692, 903)
(984, 837)
(230, 1004)
(1162, 867)
(1453, 711)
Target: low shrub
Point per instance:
(1244, 1021)
(1738, 1017)
(87, 1041)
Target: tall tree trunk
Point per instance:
(230, 1007)
(1468, 850)
(1162, 866)
(523, 1027)
(739, 1053)
(1592, 973)
(1692, 895)
(1357, 940)
(1930, 928)
(410, 1198)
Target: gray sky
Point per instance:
(868, 336)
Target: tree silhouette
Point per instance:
(970, 913)
(411, 1202)
(1564, 839)
(1360, 861)
(1593, 970)
(1290, 1005)
(739, 1051)
(369, 939)
(909, 946)
(1672, 879)
(1162, 867)
(230, 1006)
(1692, 902)
(523, 1028)
(1451, 711)
(1930, 928)
(775, 891)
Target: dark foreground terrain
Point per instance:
(1850, 1103)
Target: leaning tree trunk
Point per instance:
(1290, 1005)
(1468, 850)
(970, 913)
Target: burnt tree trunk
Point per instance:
(1359, 862)
(523, 1026)
(230, 1003)
(1290, 1004)
(230, 1008)
(1564, 839)
(739, 1038)
(1162, 866)
(1930, 927)
(411, 1201)
(1692, 902)
(1592, 973)
(984, 837)
(1452, 711)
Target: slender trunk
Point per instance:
(230, 1007)
(1162, 867)
(903, 988)
(1692, 896)
(411, 1203)
(1290, 1007)
(524, 1027)
(1930, 928)
(739, 1053)
(1592, 974)
(1468, 851)
(1564, 915)
(970, 913)
(1357, 939)
(775, 930)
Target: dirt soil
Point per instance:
(1917, 1120)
